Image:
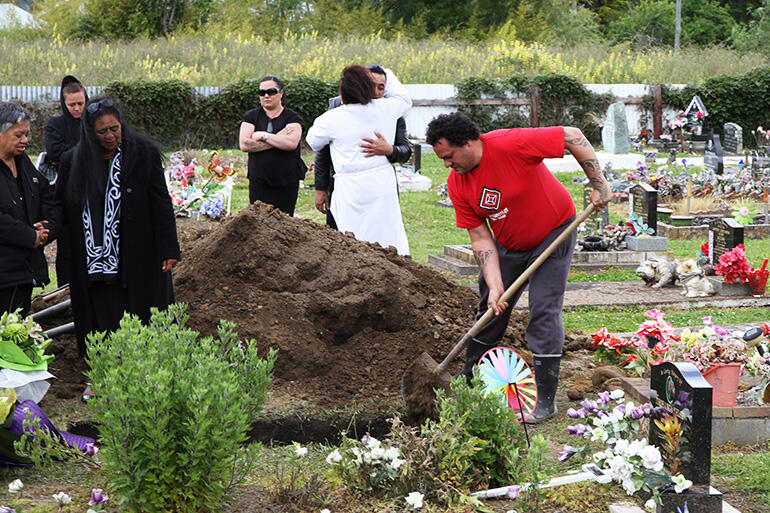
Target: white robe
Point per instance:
(365, 199)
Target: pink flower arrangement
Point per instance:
(712, 344)
(734, 265)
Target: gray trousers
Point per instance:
(545, 331)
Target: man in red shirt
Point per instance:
(499, 184)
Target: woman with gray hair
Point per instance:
(28, 213)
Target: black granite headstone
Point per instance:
(643, 201)
(680, 395)
(415, 161)
(733, 138)
(724, 235)
(597, 220)
(713, 157)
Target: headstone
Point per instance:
(615, 138)
(733, 134)
(724, 235)
(679, 392)
(597, 220)
(713, 157)
(643, 201)
(415, 161)
(691, 113)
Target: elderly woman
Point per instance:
(271, 135)
(27, 213)
(120, 222)
(365, 199)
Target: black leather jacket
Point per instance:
(324, 171)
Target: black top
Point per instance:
(62, 132)
(23, 202)
(274, 166)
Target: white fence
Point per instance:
(417, 119)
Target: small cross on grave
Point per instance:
(724, 235)
(692, 112)
(681, 429)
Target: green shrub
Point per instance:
(174, 410)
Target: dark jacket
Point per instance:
(61, 132)
(21, 263)
(324, 181)
(147, 236)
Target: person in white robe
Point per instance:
(365, 200)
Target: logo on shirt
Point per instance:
(499, 215)
(490, 199)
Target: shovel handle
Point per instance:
(516, 285)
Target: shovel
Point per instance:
(424, 374)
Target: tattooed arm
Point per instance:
(581, 149)
(485, 251)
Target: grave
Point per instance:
(615, 138)
(713, 156)
(724, 235)
(597, 220)
(733, 138)
(643, 201)
(678, 391)
(692, 111)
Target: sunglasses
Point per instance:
(97, 105)
(269, 92)
(376, 68)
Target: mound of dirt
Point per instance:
(347, 317)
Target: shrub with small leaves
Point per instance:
(174, 409)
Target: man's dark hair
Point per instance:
(456, 128)
(275, 79)
(376, 68)
(356, 86)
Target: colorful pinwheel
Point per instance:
(506, 374)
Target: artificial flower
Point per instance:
(514, 492)
(744, 211)
(681, 483)
(325, 510)
(299, 450)
(61, 498)
(91, 449)
(734, 265)
(334, 457)
(651, 505)
(414, 499)
(97, 497)
(15, 486)
(7, 509)
(617, 394)
(566, 453)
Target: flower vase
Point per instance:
(723, 378)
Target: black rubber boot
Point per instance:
(547, 380)
(473, 353)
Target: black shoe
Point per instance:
(547, 381)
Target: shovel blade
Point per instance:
(417, 388)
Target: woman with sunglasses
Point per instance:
(365, 199)
(271, 135)
(121, 223)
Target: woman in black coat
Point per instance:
(120, 220)
(27, 213)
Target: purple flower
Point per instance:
(513, 492)
(577, 429)
(97, 497)
(621, 408)
(589, 405)
(566, 453)
(637, 413)
(6, 509)
(604, 397)
(572, 413)
(602, 413)
(91, 449)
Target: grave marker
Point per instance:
(733, 134)
(415, 161)
(713, 157)
(691, 113)
(597, 220)
(678, 391)
(643, 201)
(724, 235)
(615, 138)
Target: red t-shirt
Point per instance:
(512, 188)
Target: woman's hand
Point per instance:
(169, 264)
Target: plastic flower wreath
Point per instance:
(734, 265)
(638, 225)
(744, 211)
(712, 344)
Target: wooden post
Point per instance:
(657, 111)
(689, 193)
(534, 93)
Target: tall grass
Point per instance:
(214, 59)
